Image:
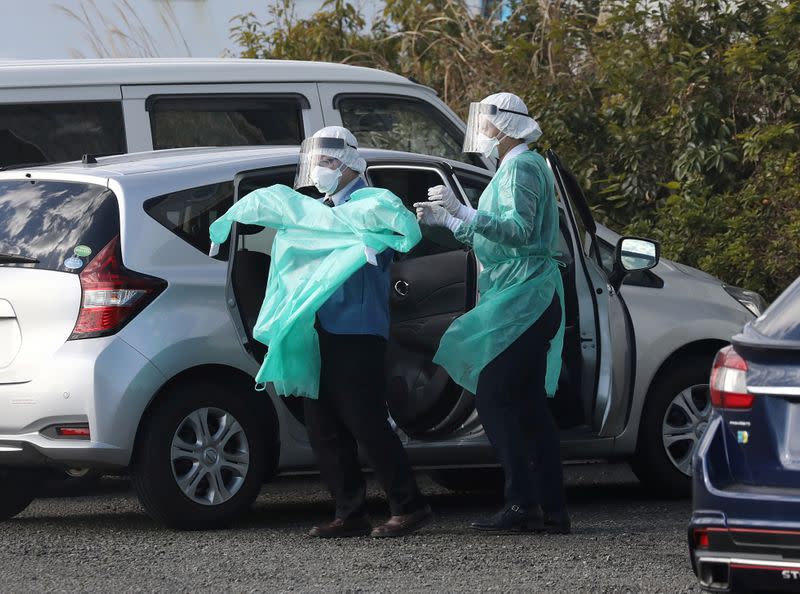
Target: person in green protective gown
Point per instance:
(325, 319)
(507, 350)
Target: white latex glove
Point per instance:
(434, 214)
(371, 255)
(447, 198)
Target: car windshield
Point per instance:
(54, 225)
(782, 320)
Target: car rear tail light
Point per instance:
(700, 536)
(729, 381)
(73, 432)
(112, 294)
(67, 431)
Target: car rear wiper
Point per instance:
(16, 259)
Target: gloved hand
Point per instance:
(447, 198)
(371, 254)
(434, 214)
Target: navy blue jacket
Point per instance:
(361, 304)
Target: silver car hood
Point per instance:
(695, 273)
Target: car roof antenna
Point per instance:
(88, 159)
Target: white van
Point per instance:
(54, 111)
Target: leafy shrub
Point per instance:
(680, 119)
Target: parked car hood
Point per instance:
(694, 272)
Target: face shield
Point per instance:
(320, 161)
(487, 124)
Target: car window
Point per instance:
(782, 320)
(473, 186)
(189, 213)
(606, 255)
(51, 132)
(402, 124)
(411, 185)
(60, 224)
(584, 239)
(579, 208)
(226, 121)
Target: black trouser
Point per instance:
(351, 411)
(512, 404)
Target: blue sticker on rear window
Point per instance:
(73, 263)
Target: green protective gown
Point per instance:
(316, 249)
(515, 238)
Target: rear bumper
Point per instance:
(33, 451)
(746, 559)
(753, 533)
(102, 382)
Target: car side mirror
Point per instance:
(632, 255)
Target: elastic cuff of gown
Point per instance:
(453, 223)
(466, 213)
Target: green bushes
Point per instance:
(680, 119)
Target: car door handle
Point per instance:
(401, 288)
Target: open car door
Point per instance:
(432, 285)
(613, 341)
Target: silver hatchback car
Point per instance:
(125, 346)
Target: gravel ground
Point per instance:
(624, 541)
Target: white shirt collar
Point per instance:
(339, 196)
(517, 150)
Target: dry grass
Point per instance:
(120, 32)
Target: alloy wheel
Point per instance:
(685, 421)
(210, 456)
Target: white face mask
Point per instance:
(326, 180)
(487, 145)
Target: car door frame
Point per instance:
(614, 340)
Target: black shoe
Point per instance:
(556, 523)
(511, 520)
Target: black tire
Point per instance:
(651, 464)
(18, 488)
(485, 480)
(152, 470)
